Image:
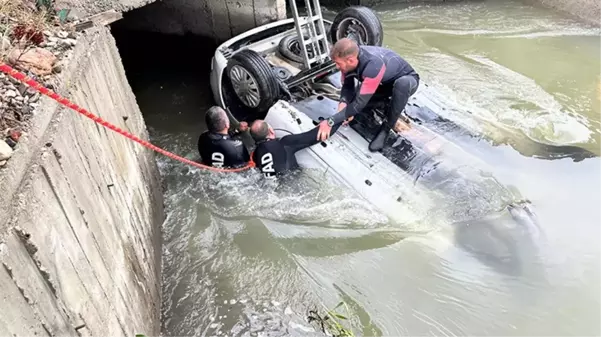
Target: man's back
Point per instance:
(374, 56)
(221, 150)
(275, 156)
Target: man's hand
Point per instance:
(348, 120)
(243, 126)
(324, 131)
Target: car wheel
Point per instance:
(290, 48)
(359, 23)
(253, 80)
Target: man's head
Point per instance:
(217, 120)
(260, 130)
(345, 54)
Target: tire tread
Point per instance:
(262, 72)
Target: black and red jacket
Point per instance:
(377, 70)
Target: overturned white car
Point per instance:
(266, 73)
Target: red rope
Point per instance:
(45, 91)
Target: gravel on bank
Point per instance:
(42, 60)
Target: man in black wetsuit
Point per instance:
(275, 156)
(219, 148)
(383, 75)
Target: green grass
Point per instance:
(330, 322)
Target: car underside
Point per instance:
(272, 63)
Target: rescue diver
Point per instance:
(276, 156)
(217, 146)
(383, 75)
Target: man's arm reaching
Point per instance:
(372, 76)
(306, 139)
(348, 88)
(237, 132)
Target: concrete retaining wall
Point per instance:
(85, 8)
(586, 10)
(215, 19)
(81, 212)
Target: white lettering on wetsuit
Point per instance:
(267, 166)
(218, 159)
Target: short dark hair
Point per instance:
(344, 47)
(259, 130)
(216, 119)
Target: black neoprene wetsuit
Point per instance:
(277, 156)
(219, 150)
(378, 70)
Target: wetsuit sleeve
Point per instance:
(236, 153)
(372, 76)
(348, 88)
(244, 156)
(236, 135)
(306, 139)
(233, 133)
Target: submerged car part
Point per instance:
(419, 177)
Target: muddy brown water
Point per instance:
(242, 258)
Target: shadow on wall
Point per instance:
(169, 74)
(151, 54)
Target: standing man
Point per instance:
(219, 148)
(383, 75)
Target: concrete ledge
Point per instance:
(215, 19)
(588, 11)
(81, 211)
(84, 8)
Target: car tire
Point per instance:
(254, 82)
(285, 48)
(359, 18)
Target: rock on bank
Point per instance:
(81, 210)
